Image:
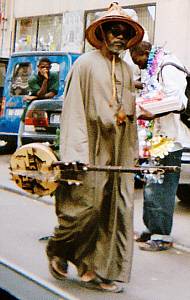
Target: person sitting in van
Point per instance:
(43, 85)
(20, 79)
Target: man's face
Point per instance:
(24, 70)
(140, 59)
(116, 35)
(44, 67)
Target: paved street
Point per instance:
(155, 276)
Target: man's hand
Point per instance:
(29, 98)
(138, 85)
(145, 114)
(45, 73)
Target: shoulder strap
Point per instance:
(183, 69)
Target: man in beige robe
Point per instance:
(98, 127)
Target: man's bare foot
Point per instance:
(91, 280)
(88, 276)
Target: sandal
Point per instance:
(143, 237)
(100, 284)
(58, 268)
(45, 238)
(157, 245)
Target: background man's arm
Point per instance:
(43, 89)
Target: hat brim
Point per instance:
(93, 39)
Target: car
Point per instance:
(183, 191)
(21, 66)
(3, 68)
(42, 121)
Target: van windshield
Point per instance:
(21, 74)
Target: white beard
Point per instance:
(116, 49)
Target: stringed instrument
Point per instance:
(36, 169)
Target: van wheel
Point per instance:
(183, 193)
(8, 148)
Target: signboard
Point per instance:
(73, 31)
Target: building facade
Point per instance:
(60, 24)
(6, 27)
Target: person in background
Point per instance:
(98, 127)
(159, 199)
(20, 79)
(43, 85)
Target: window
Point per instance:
(21, 74)
(146, 17)
(38, 33)
(26, 32)
(49, 33)
(55, 67)
(73, 31)
(2, 77)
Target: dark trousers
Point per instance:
(159, 199)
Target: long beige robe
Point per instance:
(96, 219)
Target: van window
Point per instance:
(2, 77)
(21, 74)
(55, 67)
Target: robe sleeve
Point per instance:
(73, 127)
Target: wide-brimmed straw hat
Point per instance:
(114, 14)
